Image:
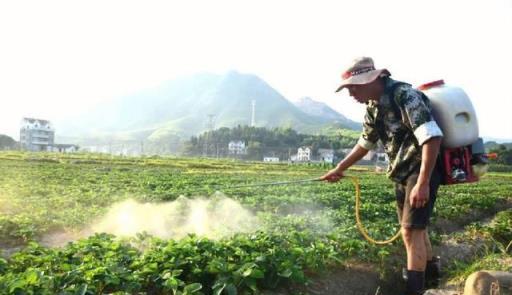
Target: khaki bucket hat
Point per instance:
(361, 71)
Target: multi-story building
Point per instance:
(304, 154)
(370, 155)
(237, 147)
(36, 135)
(326, 155)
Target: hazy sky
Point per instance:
(62, 57)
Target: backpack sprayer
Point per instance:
(462, 156)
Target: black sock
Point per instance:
(415, 282)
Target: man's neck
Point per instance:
(378, 89)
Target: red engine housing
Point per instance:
(457, 165)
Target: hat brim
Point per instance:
(363, 78)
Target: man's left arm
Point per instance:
(421, 191)
(429, 136)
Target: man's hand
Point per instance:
(419, 195)
(357, 153)
(333, 175)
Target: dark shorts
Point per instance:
(415, 217)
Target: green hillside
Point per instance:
(6, 142)
(185, 106)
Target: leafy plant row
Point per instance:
(243, 264)
(306, 227)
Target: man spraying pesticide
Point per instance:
(402, 118)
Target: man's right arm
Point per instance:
(356, 154)
(367, 141)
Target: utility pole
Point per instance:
(210, 125)
(253, 113)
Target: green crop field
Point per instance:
(240, 241)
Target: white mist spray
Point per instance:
(216, 217)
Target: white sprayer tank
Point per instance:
(453, 112)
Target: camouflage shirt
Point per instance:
(402, 126)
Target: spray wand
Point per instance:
(219, 187)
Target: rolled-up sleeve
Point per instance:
(369, 136)
(427, 131)
(420, 116)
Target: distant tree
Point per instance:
(504, 154)
(278, 142)
(493, 145)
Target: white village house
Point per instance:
(326, 155)
(382, 158)
(370, 155)
(36, 135)
(270, 159)
(304, 154)
(237, 147)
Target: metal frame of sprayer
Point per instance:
(457, 163)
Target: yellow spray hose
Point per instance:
(355, 181)
(359, 224)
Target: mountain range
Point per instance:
(190, 105)
(322, 110)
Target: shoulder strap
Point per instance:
(395, 104)
(392, 99)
